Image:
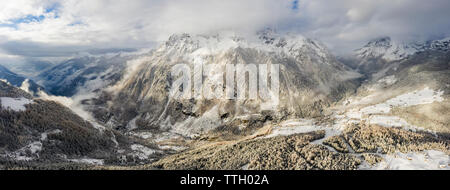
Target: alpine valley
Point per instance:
(386, 106)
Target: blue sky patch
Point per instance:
(295, 5)
(76, 23)
(53, 9)
(13, 23)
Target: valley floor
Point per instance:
(361, 132)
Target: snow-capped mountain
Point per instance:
(310, 78)
(390, 50)
(440, 45)
(386, 49)
(380, 53)
(266, 40)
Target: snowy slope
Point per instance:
(15, 104)
(390, 50)
(387, 49)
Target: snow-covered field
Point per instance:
(16, 104)
(293, 127)
(426, 160)
(374, 114)
(424, 96)
(362, 110)
(296, 126)
(379, 113)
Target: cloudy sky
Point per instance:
(58, 28)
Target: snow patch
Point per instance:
(293, 126)
(192, 126)
(88, 161)
(45, 134)
(132, 124)
(426, 160)
(389, 80)
(394, 121)
(26, 153)
(171, 147)
(296, 126)
(418, 97)
(15, 104)
(141, 151)
(142, 135)
(5, 81)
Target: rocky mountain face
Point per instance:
(310, 79)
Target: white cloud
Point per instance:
(346, 24)
(20, 8)
(343, 24)
(84, 22)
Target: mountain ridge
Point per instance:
(390, 50)
(310, 76)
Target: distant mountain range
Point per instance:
(18, 80)
(393, 51)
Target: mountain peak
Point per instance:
(441, 45)
(387, 49)
(266, 40)
(380, 42)
(390, 50)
